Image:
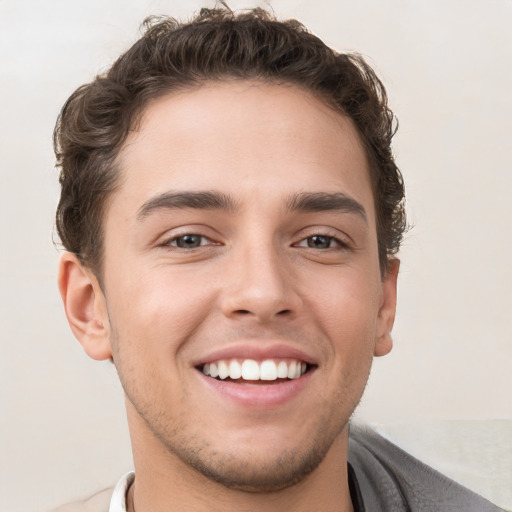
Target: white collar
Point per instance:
(118, 501)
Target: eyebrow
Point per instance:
(211, 200)
(180, 200)
(323, 201)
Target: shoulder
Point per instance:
(392, 479)
(99, 502)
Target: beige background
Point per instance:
(447, 65)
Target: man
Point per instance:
(231, 212)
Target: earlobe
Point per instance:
(85, 306)
(386, 318)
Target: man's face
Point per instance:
(243, 231)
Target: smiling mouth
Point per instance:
(250, 370)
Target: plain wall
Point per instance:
(447, 66)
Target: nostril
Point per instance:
(247, 312)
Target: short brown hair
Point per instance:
(217, 44)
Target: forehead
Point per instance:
(244, 136)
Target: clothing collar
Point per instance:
(355, 491)
(118, 501)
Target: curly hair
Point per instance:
(216, 45)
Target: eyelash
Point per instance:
(173, 242)
(205, 241)
(339, 244)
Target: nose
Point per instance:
(260, 286)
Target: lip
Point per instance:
(257, 396)
(258, 352)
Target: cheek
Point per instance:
(345, 314)
(153, 314)
(346, 311)
(152, 318)
(347, 298)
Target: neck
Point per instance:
(164, 483)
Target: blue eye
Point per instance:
(320, 242)
(189, 241)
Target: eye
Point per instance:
(320, 242)
(189, 241)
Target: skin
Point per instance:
(255, 279)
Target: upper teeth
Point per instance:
(249, 369)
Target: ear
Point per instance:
(85, 306)
(386, 317)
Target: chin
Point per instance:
(259, 464)
(255, 475)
